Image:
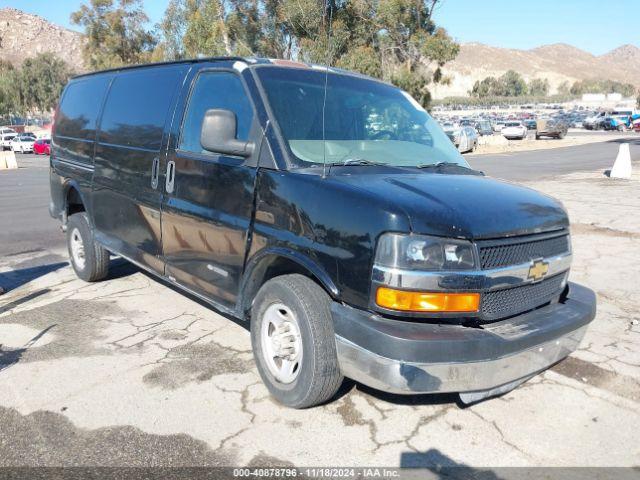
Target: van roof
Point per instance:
(249, 61)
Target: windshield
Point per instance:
(365, 120)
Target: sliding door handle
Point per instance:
(155, 170)
(171, 175)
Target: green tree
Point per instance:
(564, 88)
(42, 79)
(488, 87)
(539, 87)
(9, 94)
(513, 84)
(395, 40)
(602, 86)
(115, 33)
(171, 31)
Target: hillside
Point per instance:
(23, 35)
(557, 62)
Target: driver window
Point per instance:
(221, 90)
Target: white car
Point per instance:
(514, 130)
(23, 143)
(6, 136)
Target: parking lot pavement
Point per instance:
(131, 372)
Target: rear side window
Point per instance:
(137, 108)
(219, 90)
(80, 107)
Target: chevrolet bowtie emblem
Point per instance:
(538, 270)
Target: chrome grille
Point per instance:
(510, 301)
(518, 251)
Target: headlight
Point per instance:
(421, 252)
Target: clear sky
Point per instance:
(593, 25)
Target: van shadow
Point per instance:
(191, 297)
(9, 357)
(16, 278)
(443, 466)
(349, 385)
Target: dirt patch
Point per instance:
(74, 324)
(349, 413)
(36, 440)
(591, 374)
(195, 363)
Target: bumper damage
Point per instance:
(412, 357)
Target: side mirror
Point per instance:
(218, 134)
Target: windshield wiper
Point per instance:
(442, 164)
(450, 165)
(357, 161)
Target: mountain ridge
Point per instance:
(557, 62)
(25, 35)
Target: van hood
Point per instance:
(460, 206)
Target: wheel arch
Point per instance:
(274, 262)
(74, 201)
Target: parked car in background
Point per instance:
(514, 131)
(483, 127)
(22, 143)
(498, 126)
(42, 146)
(6, 136)
(464, 138)
(617, 122)
(594, 122)
(530, 124)
(551, 128)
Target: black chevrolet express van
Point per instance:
(327, 209)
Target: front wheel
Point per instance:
(293, 341)
(89, 259)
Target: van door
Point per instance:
(208, 203)
(130, 152)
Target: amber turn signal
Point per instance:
(427, 301)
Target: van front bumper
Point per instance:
(412, 357)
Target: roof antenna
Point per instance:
(326, 80)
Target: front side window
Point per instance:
(363, 120)
(215, 90)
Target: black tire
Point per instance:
(96, 258)
(537, 137)
(319, 376)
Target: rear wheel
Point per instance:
(294, 342)
(89, 260)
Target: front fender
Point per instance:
(262, 260)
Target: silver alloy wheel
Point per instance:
(281, 343)
(77, 249)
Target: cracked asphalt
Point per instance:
(130, 372)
